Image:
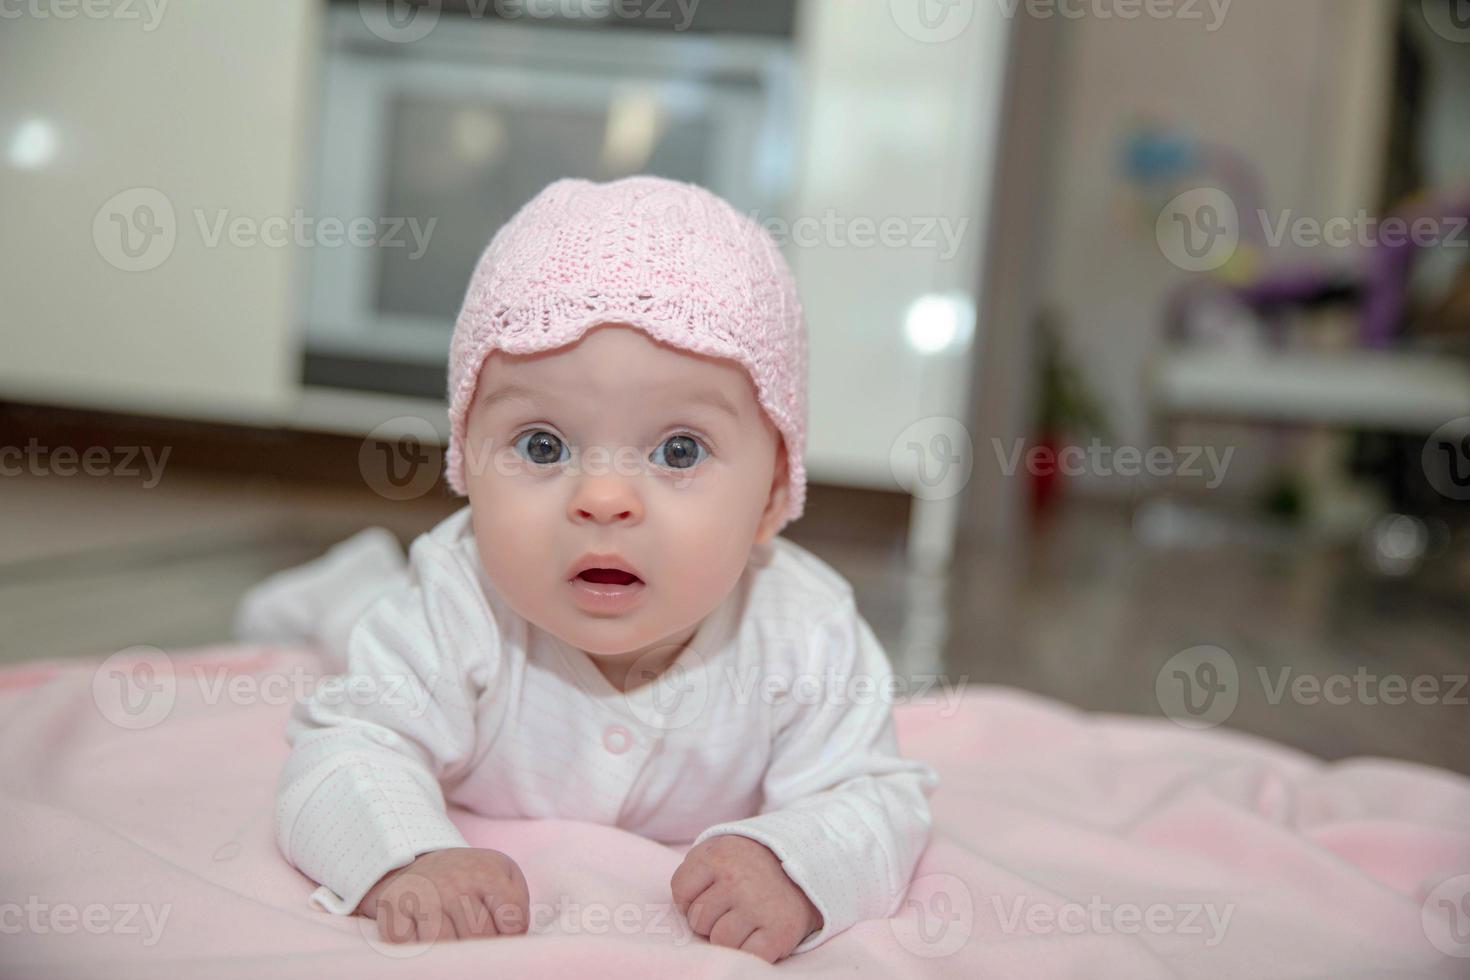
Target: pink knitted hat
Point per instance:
(667, 257)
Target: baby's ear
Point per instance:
(776, 500)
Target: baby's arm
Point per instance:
(359, 800)
(845, 816)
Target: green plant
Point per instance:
(1065, 404)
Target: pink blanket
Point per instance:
(136, 840)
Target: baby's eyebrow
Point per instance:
(515, 392)
(505, 393)
(717, 400)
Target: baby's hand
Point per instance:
(456, 893)
(732, 889)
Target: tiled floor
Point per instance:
(1094, 615)
(1089, 615)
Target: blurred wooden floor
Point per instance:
(1090, 615)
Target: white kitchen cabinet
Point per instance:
(127, 131)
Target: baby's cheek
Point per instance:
(508, 529)
(706, 551)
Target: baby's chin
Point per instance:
(620, 637)
(608, 639)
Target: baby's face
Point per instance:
(630, 456)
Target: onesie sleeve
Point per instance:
(846, 814)
(360, 792)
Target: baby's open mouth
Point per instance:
(607, 590)
(605, 584)
(609, 576)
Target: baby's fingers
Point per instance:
(402, 912)
(689, 880)
(470, 919)
(510, 913)
(733, 929)
(708, 908)
(766, 944)
(394, 926)
(437, 923)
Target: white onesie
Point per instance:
(773, 724)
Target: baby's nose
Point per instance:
(606, 500)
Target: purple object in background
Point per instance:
(1381, 287)
(1391, 263)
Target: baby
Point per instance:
(611, 630)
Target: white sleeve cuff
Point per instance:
(367, 819)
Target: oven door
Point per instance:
(438, 142)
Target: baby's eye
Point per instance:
(679, 452)
(542, 448)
